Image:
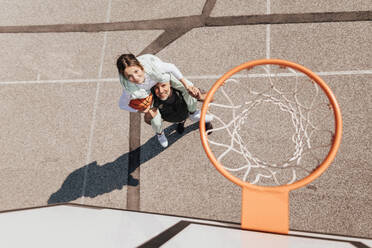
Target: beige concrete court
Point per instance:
(64, 138)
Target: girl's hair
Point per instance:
(126, 60)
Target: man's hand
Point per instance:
(153, 111)
(150, 114)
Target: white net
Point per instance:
(272, 125)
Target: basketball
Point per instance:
(142, 103)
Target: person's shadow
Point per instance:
(114, 175)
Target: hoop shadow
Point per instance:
(114, 175)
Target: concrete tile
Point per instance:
(118, 43)
(354, 96)
(113, 199)
(215, 50)
(50, 56)
(39, 12)
(324, 46)
(324, 213)
(239, 7)
(45, 126)
(30, 187)
(350, 178)
(304, 6)
(142, 10)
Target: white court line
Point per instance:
(330, 73)
(116, 80)
(61, 81)
(93, 124)
(268, 28)
(97, 95)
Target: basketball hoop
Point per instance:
(298, 143)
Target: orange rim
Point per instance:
(300, 183)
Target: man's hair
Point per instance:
(126, 60)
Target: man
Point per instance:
(169, 105)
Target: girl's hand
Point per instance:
(193, 91)
(146, 110)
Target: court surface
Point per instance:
(72, 225)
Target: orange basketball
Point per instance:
(142, 103)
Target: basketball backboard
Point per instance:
(72, 225)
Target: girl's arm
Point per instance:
(171, 68)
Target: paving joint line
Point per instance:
(195, 21)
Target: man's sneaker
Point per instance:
(162, 139)
(208, 126)
(180, 127)
(196, 117)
